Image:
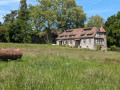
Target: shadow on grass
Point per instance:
(9, 60)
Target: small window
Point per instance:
(70, 41)
(101, 41)
(63, 41)
(84, 40)
(98, 41)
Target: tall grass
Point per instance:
(46, 67)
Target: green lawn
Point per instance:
(46, 67)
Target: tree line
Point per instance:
(58, 15)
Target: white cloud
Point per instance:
(4, 2)
(2, 13)
(1, 19)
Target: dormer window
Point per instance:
(83, 34)
(84, 40)
(69, 30)
(89, 34)
(87, 29)
(61, 35)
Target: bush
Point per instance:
(50, 43)
(113, 48)
(98, 47)
(108, 49)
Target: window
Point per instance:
(101, 41)
(98, 41)
(66, 42)
(70, 41)
(84, 40)
(63, 41)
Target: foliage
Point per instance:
(69, 15)
(112, 27)
(0, 23)
(23, 18)
(47, 67)
(3, 31)
(58, 14)
(108, 49)
(98, 47)
(44, 16)
(18, 24)
(15, 33)
(23, 13)
(113, 48)
(10, 18)
(48, 15)
(95, 21)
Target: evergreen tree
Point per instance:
(23, 20)
(0, 23)
(10, 18)
(3, 31)
(23, 11)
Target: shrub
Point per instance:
(98, 47)
(113, 48)
(50, 43)
(108, 49)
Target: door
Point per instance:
(60, 42)
(77, 43)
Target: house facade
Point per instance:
(84, 38)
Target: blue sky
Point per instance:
(104, 8)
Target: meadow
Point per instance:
(47, 67)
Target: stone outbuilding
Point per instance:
(84, 38)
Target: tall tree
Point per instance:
(95, 21)
(15, 33)
(57, 14)
(112, 27)
(0, 23)
(10, 18)
(23, 20)
(69, 15)
(44, 17)
(3, 31)
(23, 11)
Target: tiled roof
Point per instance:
(102, 29)
(80, 33)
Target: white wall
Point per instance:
(57, 42)
(67, 42)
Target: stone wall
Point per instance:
(87, 43)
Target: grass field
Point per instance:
(46, 67)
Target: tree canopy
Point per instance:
(95, 21)
(57, 14)
(112, 27)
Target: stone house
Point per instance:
(84, 38)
